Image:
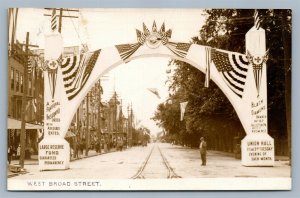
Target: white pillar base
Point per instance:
(54, 154)
(258, 150)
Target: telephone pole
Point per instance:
(99, 115)
(24, 101)
(131, 128)
(87, 134)
(60, 16)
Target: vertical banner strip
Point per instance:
(182, 109)
(53, 20)
(208, 60)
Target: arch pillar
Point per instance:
(258, 145)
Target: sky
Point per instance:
(102, 28)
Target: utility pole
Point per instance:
(128, 126)
(60, 16)
(23, 130)
(24, 101)
(60, 19)
(131, 128)
(87, 134)
(13, 17)
(115, 112)
(99, 115)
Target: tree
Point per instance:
(209, 112)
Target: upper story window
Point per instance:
(21, 82)
(17, 81)
(29, 86)
(12, 78)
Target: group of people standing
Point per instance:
(11, 152)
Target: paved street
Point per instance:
(185, 162)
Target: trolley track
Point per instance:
(155, 166)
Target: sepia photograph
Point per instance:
(108, 99)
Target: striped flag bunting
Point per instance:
(257, 20)
(208, 61)
(233, 68)
(180, 49)
(76, 70)
(52, 76)
(32, 67)
(29, 65)
(257, 64)
(161, 35)
(126, 50)
(53, 20)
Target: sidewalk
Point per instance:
(34, 161)
(220, 164)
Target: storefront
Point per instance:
(34, 133)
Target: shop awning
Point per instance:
(16, 124)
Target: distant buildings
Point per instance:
(34, 98)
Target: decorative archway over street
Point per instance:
(242, 78)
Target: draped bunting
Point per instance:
(126, 50)
(233, 68)
(179, 49)
(76, 70)
(153, 39)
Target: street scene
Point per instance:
(156, 161)
(161, 94)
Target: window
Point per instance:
(12, 80)
(17, 81)
(21, 82)
(29, 87)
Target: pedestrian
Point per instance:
(202, 148)
(9, 154)
(19, 151)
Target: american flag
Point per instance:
(76, 70)
(233, 68)
(141, 37)
(126, 50)
(180, 49)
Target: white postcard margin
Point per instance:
(149, 184)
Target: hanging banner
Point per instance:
(208, 60)
(182, 109)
